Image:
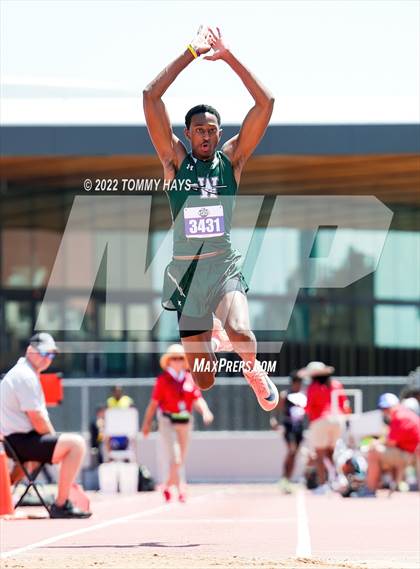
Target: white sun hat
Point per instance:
(318, 368)
(176, 350)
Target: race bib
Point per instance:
(204, 221)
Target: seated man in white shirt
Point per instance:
(25, 423)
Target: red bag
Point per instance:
(53, 388)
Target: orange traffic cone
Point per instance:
(6, 502)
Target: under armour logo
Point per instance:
(190, 167)
(179, 303)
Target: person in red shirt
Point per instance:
(402, 445)
(325, 413)
(174, 397)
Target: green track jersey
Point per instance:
(202, 199)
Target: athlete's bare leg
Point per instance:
(233, 312)
(234, 315)
(198, 349)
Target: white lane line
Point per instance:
(114, 521)
(303, 545)
(222, 521)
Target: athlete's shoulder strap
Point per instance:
(224, 157)
(227, 166)
(187, 159)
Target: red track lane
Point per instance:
(228, 526)
(385, 528)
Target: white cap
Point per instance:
(412, 403)
(318, 368)
(387, 400)
(43, 342)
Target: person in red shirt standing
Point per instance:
(174, 397)
(325, 421)
(402, 445)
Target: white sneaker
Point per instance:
(264, 388)
(219, 339)
(285, 486)
(321, 490)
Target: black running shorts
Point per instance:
(32, 446)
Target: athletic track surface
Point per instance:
(232, 526)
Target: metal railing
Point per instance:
(231, 400)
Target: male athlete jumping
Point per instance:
(204, 278)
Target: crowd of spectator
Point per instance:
(313, 413)
(316, 404)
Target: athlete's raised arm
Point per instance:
(170, 149)
(240, 147)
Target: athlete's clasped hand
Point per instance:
(218, 45)
(201, 42)
(207, 39)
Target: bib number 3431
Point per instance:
(204, 222)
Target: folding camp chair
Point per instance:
(30, 476)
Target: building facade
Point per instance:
(368, 327)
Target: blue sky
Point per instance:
(86, 62)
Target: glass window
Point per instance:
(358, 251)
(79, 319)
(50, 317)
(269, 268)
(339, 324)
(398, 272)
(16, 258)
(397, 326)
(138, 321)
(18, 319)
(111, 321)
(28, 256)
